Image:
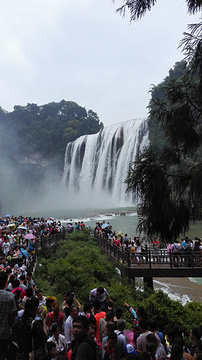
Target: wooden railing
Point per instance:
(42, 245)
(149, 259)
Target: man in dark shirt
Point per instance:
(8, 311)
(83, 346)
(29, 334)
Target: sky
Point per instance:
(83, 51)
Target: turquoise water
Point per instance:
(196, 280)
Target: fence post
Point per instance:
(170, 256)
(150, 265)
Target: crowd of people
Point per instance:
(19, 235)
(178, 250)
(37, 327)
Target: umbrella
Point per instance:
(50, 221)
(29, 236)
(104, 226)
(10, 225)
(7, 215)
(22, 227)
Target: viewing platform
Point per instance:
(148, 264)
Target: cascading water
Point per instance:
(97, 165)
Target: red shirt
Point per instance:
(50, 317)
(99, 316)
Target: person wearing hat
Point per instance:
(128, 349)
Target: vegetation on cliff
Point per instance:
(45, 129)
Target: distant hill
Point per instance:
(41, 133)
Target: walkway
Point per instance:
(148, 265)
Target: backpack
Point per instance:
(99, 351)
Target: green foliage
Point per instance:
(166, 178)
(79, 265)
(45, 129)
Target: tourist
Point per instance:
(52, 351)
(132, 253)
(58, 339)
(176, 252)
(87, 309)
(195, 336)
(8, 311)
(121, 339)
(17, 287)
(160, 351)
(68, 326)
(198, 350)
(22, 281)
(83, 346)
(116, 241)
(6, 246)
(42, 302)
(138, 314)
(128, 350)
(109, 347)
(55, 316)
(29, 282)
(12, 278)
(103, 322)
(169, 250)
(29, 334)
(155, 247)
(141, 340)
(69, 299)
(99, 294)
(98, 314)
(49, 305)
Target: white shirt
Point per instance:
(67, 327)
(60, 343)
(95, 296)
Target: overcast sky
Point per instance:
(82, 51)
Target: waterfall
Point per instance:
(97, 165)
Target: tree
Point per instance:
(138, 8)
(166, 178)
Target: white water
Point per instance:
(96, 166)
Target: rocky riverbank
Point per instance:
(182, 289)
